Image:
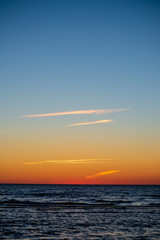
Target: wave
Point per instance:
(152, 196)
(71, 204)
(113, 202)
(47, 194)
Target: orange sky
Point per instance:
(102, 154)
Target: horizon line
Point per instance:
(123, 184)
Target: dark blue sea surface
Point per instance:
(79, 212)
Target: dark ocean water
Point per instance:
(79, 212)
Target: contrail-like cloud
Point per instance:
(102, 173)
(73, 161)
(98, 111)
(88, 123)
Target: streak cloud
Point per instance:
(90, 160)
(102, 173)
(88, 123)
(97, 111)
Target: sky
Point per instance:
(79, 91)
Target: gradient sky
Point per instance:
(59, 59)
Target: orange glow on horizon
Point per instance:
(104, 154)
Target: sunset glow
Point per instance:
(80, 92)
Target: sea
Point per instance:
(111, 212)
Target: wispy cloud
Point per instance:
(97, 111)
(73, 161)
(88, 123)
(102, 173)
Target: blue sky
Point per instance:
(75, 55)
